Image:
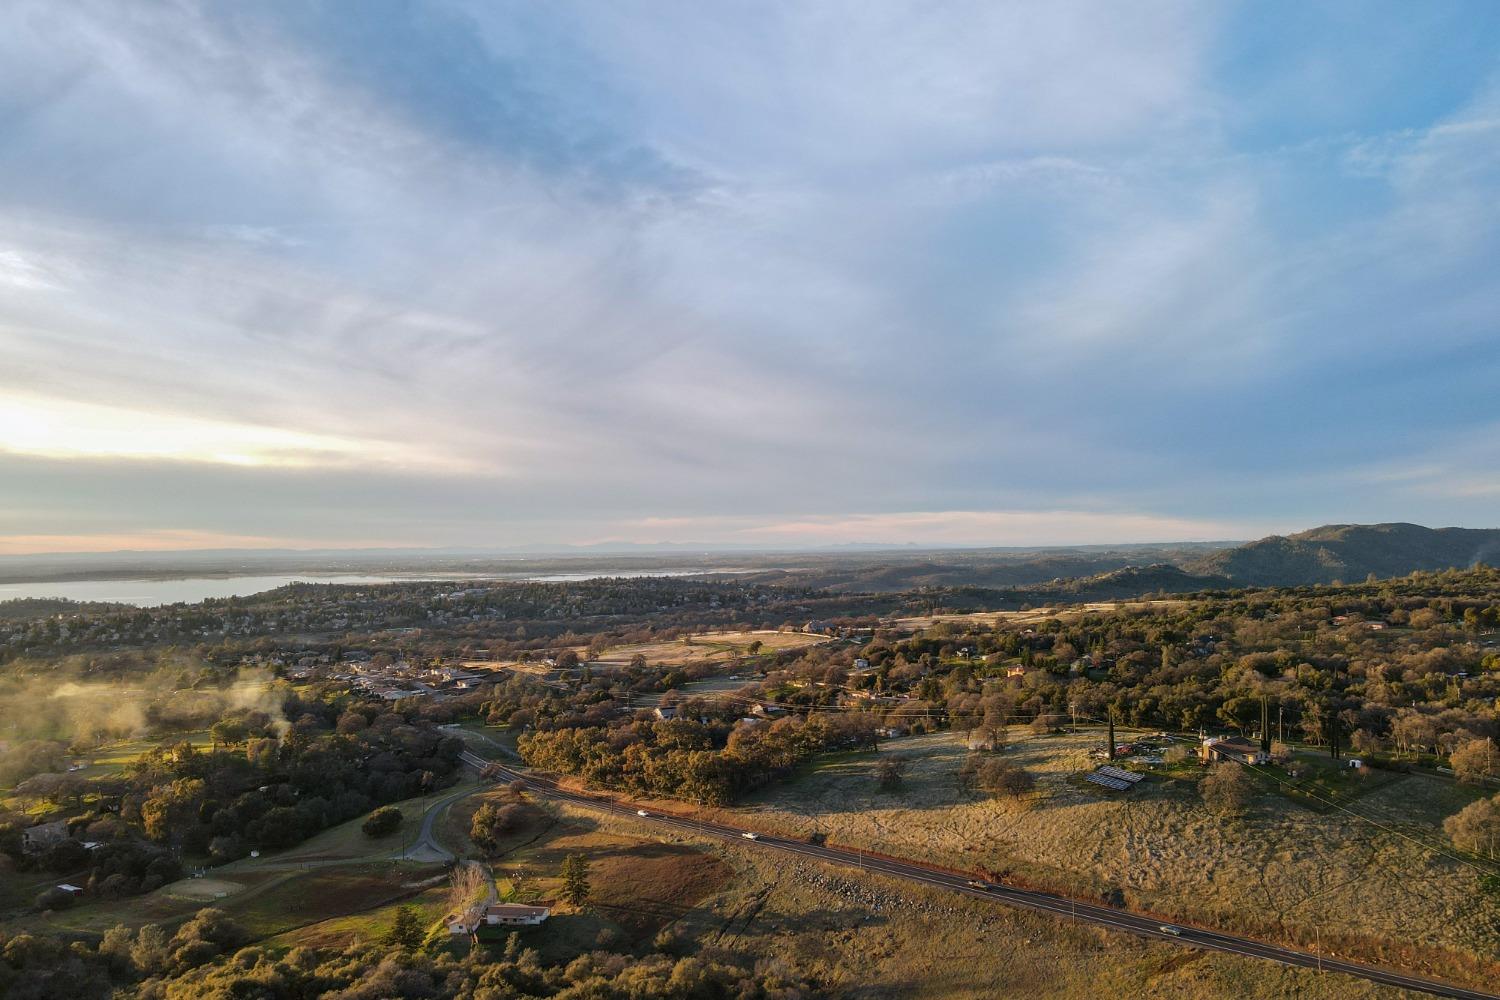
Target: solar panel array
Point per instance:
(1120, 774)
(1108, 782)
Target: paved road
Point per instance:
(425, 846)
(1122, 920)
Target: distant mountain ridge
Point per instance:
(1348, 553)
(1333, 552)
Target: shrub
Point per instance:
(1476, 828)
(491, 823)
(999, 776)
(889, 771)
(1227, 789)
(54, 899)
(382, 822)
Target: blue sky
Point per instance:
(780, 274)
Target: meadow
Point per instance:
(864, 937)
(1283, 870)
(708, 647)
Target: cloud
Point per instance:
(500, 272)
(69, 429)
(948, 527)
(156, 541)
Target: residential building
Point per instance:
(496, 915)
(1235, 748)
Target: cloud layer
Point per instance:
(495, 274)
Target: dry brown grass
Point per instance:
(705, 647)
(1063, 613)
(862, 937)
(1282, 870)
(855, 935)
(710, 647)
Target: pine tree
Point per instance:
(406, 933)
(1265, 725)
(575, 873)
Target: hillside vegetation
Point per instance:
(1350, 552)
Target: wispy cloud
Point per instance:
(568, 266)
(945, 527)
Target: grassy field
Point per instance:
(864, 937)
(713, 647)
(113, 758)
(705, 647)
(856, 935)
(1282, 870)
(338, 871)
(971, 618)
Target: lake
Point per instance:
(150, 593)
(191, 589)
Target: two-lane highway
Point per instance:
(1122, 920)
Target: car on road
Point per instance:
(750, 836)
(642, 812)
(1169, 929)
(975, 883)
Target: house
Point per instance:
(464, 921)
(44, 835)
(70, 889)
(1017, 671)
(515, 915)
(1235, 748)
(665, 712)
(496, 915)
(860, 663)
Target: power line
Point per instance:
(1376, 823)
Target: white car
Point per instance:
(750, 836)
(642, 812)
(1169, 929)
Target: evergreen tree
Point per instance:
(575, 873)
(406, 933)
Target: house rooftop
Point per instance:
(516, 910)
(1232, 742)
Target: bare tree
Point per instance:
(1227, 789)
(467, 885)
(1475, 761)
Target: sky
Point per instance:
(745, 273)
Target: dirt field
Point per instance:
(1284, 867)
(203, 890)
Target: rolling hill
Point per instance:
(1348, 553)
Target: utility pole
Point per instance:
(1281, 724)
(1111, 746)
(1265, 725)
